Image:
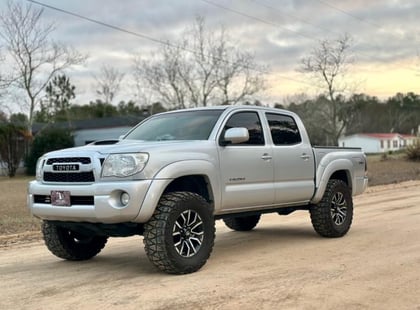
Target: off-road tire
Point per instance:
(71, 245)
(179, 237)
(333, 215)
(242, 223)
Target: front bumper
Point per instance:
(106, 207)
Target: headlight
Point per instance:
(38, 170)
(124, 165)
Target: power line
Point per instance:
(147, 37)
(137, 34)
(277, 25)
(140, 35)
(166, 43)
(361, 20)
(261, 20)
(270, 7)
(349, 14)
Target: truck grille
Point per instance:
(82, 160)
(69, 170)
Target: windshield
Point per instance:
(188, 125)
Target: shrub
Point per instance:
(384, 157)
(12, 146)
(413, 151)
(46, 141)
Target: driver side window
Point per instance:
(250, 121)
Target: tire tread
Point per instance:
(321, 212)
(59, 244)
(155, 242)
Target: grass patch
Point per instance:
(14, 214)
(392, 168)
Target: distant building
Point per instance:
(378, 142)
(87, 131)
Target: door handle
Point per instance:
(305, 156)
(266, 156)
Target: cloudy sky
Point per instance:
(386, 37)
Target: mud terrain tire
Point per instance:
(333, 215)
(71, 245)
(242, 223)
(179, 237)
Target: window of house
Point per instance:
(382, 144)
(389, 144)
(250, 121)
(395, 143)
(283, 128)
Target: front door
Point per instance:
(247, 168)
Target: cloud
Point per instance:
(385, 32)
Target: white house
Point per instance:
(378, 142)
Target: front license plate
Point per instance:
(60, 198)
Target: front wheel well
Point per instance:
(198, 184)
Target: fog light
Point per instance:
(125, 198)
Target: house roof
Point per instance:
(385, 136)
(388, 135)
(381, 135)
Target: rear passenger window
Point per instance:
(283, 128)
(250, 121)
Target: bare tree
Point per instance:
(238, 81)
(162, 78)
(108, 83)
(2, 83)
(202, 68)
(35, 57)
(327, 65)
(5, 82)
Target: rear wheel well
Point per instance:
(198, 184)
(342, 175)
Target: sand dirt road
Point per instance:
(282, 264)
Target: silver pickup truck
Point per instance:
(175, 173)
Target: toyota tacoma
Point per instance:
(175, 173)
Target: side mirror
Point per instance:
(236, 135)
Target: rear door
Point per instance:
(246, 168)
(294, 164)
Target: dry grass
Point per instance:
(15, 218)
(14, 215)
(391, 169)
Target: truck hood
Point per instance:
(127, 146)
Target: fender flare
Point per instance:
(171, 172)
(325, 173)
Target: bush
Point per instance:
(12, 146)
(384, 157)
(413, 151)
(46, 141)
